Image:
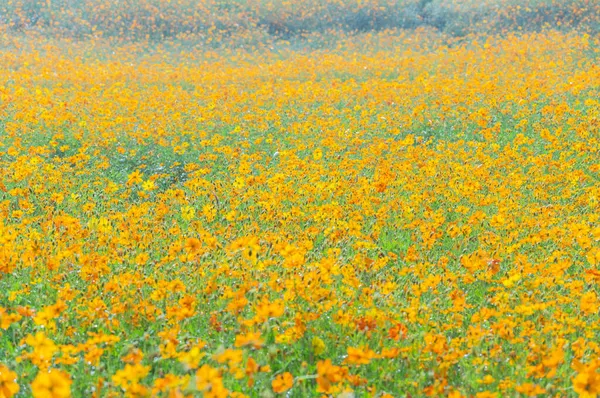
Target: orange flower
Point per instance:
(530, 390)
(398, 331)
(266, 310)
(360, 356)
(251, 339)
(282, 382)
(8, 319)
(193, 245)
(327, 375)
(210, 383)
(587, 384)
(589, 303)
(8, 382)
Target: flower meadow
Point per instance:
(379, 213)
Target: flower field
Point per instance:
(384, 213)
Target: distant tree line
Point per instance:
(156, 19)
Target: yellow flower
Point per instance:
(188, 213)
(130, 375)
(486, 394)
(191, 359)
(134, 178)
(510, 282)
(149, 185)
(43, 348)
(487, 379)
(51, 384)
(318, 346)
(318, 154)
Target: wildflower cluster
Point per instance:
(404, 213)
